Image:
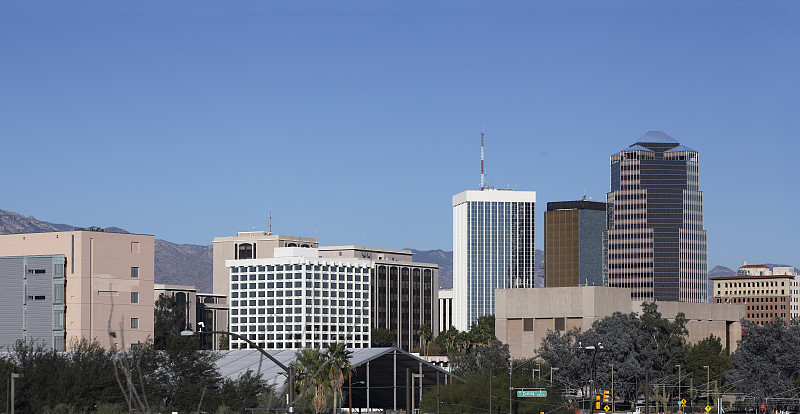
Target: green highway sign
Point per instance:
(532, 393)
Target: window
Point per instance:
(134, 272)
(527, 324)
(134, 297)
(134, 323)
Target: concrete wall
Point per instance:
(550, 309)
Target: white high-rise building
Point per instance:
(493, 248)
(297, 299)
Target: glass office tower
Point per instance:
(493, 248)
(655, 243)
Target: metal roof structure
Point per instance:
(681, 148)
(656, 137)
(378, 380)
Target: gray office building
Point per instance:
(32, 300)
(656, 244)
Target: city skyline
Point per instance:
(193, 121)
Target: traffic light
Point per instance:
(597, 403)
(606, 396)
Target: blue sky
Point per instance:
(357, 121)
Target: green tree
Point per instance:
(708, 352)
(313, 377)
(482, 332)
(481, 358)
(338, 358)
(767, 361)
(425, 336)
(634, 344)
(170, 320)
(382, 337)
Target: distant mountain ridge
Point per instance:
(175, 264)
(191, 264)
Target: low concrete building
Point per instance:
(524, 316)
(107, 283)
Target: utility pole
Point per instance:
(490, 389)
(612, 388)
(510, 387)
(708, 382)
(680, 398)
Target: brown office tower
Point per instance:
(655, 240)
(573, 244)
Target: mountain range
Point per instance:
(191, 264)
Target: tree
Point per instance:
(767, 361)
(634, 344)
(382, 337)
(310, 364)
(708, 352)
(339, 367)
(425, 336)
(170, 320)
(482, 332)
(482, 358)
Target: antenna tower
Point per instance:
(483, 173)
(269, 223)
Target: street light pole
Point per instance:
(680, 399)
(612, 388)
(13, 377)
(708, 382)
(510, 387)
(290, 372)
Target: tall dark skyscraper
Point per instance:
(655, 243)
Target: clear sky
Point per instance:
(358, 121)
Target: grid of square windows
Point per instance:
(300, 305)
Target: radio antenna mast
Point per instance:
(483, 172)
(269, 223)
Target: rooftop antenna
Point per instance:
(483, 173)
(269, 223)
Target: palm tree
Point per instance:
(310, 364)
(339, 358)
(425, 336)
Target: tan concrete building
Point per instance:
(765, 294)
(249, 245)
(524, 316)
(108, 294)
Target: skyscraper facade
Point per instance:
(655, 243)
(573, 243)
(493, 248)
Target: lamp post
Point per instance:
(13, 377)
(290, 377)
(680, 405)
(594, 349)
(708, 382)
(510, 386)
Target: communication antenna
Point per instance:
(269, 223)
(483, 173)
